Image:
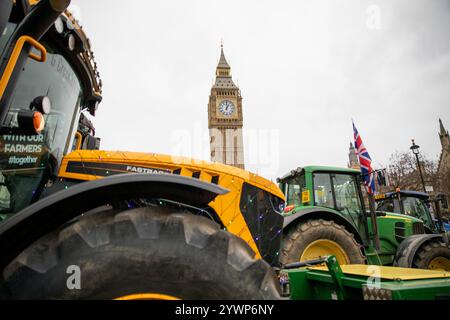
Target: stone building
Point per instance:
(443, 171)
(352, 158)
(225, 119)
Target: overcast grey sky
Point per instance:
(305, 69)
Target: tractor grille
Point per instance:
(399, 231)
(418, 228)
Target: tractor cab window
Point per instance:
(323, 193)
(293, 191)
(417, 208)
(388, 205)
(346, 193)
(4, 36)
(25, 161)
(337, 191)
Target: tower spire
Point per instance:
(223, 64)
(443, 136)
(442, 132)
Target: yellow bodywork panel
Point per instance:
(227, 206)
(389, 273)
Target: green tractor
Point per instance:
(325, 213)
(419, 205)
(416, 204)
(67, 239)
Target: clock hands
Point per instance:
(226, 107)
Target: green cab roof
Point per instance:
(329, 168)
(313, 168)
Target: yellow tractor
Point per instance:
(78, 222)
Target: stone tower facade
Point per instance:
(225, 119)
(443, 136)
(444, 160)
(352, 158)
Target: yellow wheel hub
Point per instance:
(324, 247)
(439, 263)
(147, 296)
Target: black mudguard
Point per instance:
(40, 218)
(407, 249)
(321, 213)
(313, 212)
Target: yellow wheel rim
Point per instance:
(147, 296)
(439, 263)
(324, 247)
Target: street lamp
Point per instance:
(415, 149)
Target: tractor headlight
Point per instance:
(71, 41)
(374, 293)
(59, 25)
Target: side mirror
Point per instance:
(91, 143)
(27, 122)
(444, 202)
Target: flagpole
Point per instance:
(373, 218)
(368, 178)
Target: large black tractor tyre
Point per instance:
(148, 253)
(323, 236)
(433, 255)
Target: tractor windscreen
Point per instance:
(27, 160)
(417, 208)
(4, 36)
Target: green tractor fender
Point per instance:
(409, 247)
(315, 213)
(47, 214)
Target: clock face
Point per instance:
(226, 107)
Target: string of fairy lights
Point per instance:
(267, 216)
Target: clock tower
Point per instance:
(225, 118)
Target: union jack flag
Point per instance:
(365, 162)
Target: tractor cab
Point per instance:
(415, 204)
(319, 196)
(332, 188)
(45, 86)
